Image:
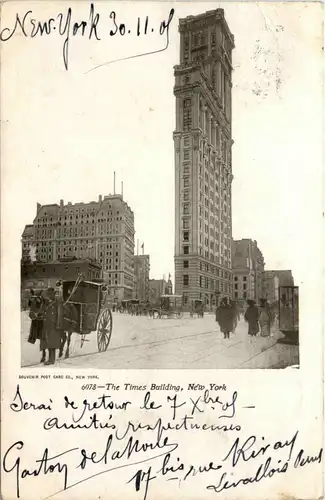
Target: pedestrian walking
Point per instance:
(265, 318)
(52, 333)
(251, 317)
(224, 316)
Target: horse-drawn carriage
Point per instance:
(197, 308)
(170, 307)
(84, 307)
(129, 306)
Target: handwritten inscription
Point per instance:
(149, 447)
(67, 27)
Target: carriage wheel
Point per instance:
(104, 330)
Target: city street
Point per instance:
(188, 343)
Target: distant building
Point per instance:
(158, 288)
(270, 287)
(141, 277)
(41, 275)
(272, 280)
(102, 230)
(247, 267)
(28, 246)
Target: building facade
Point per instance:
(272, 280)
(141, 289)
(271, 287)
(248, 268)
(203, 165)
(159, 288)
(102, 230)
(39, 276)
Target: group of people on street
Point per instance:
(45, 327)
(259, 319)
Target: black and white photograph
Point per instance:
(161, 224)
(162, 250)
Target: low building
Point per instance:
(141, 277)
(271, 288)
(42, 275)
(273, 279)
(158, 288)
(248, 267)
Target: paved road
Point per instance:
(140, 342)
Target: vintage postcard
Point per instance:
(161, 250)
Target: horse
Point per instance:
(67, 324)
(65, 337)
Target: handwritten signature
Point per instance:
(67, 27)
(46, 464)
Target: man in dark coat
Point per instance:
(52, 333)
(224, 316)
(252, 317)
(37, 305)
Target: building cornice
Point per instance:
(191, 23)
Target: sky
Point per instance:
(66, 131)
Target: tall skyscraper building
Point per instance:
(203, 168)
(101, 230)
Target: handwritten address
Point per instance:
(67, 26)
(148, 447)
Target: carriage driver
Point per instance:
(52, 332)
